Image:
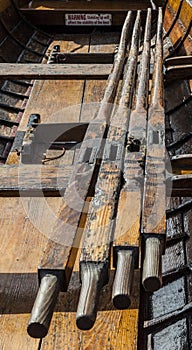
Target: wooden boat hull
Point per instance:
(159, 320)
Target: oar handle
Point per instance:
(122, 285)
(92, 278)
(44, 305)
(152, 264)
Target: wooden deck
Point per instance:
(28, 230)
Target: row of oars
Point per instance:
(117, 141)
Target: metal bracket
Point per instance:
(40, 137)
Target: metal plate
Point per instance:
(88, 19)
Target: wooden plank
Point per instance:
(181, 185)
(127, 229)
(34, 180)
(179, 60)
(53, 13)
(59, 256)
(181, 163)
(99, 5)
(153, 224)
(94, 259)
(46, 17)
(54, 71)
(178, 72)
(90, 57)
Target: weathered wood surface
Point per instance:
(127, 229)
(28, 222)
(34, 180)
(100, 219)
(154, 196)
(93, 139)
(60, 253)
(63, 324)
(54, 71)
(153, 218)
(58, 105)
(22, 287)
(172, 298)
(90, 57)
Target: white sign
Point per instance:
(88, 19)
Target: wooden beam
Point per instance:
(54, 71)
(178, 72)
(179, 60)
(88, 57)
(99, 5)
(50, 13)
(182, 162)
(181, 185)
(34, 180)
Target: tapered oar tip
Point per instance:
(121, 301)
(151, 284)
(85, 322)
(37, 330)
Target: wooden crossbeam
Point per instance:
(181, 185)
(98, 5)
(182, 162)
(53, 12)
(179, 72)
(54, 71)
(177, 61)
(87, 57)
(34, 180)
(51, 180)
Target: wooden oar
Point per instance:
(127, 230)
(59, 256)
(94, 260)
(154, 203)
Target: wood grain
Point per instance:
(153, 221)
(40, 71)
(127, 229)
(114, 329)
(100, 219)
(34, 180)
(60, 252)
